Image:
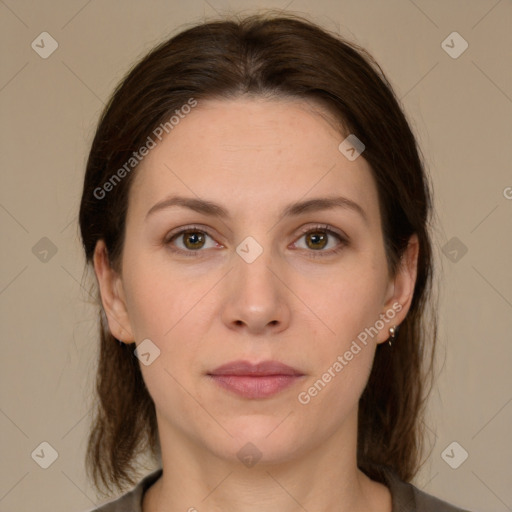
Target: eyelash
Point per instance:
(314, 254)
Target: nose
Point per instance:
(256, 300)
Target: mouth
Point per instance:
(255, 381)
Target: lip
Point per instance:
(246, 368)
(259, 380)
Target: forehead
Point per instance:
(252, 152)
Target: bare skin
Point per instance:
(254, 157)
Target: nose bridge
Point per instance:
(253, 264)
(256, 298)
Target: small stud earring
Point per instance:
(392, 334)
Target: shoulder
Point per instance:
(405, 496)
(132, 500)
(408, 498)
(426, 503)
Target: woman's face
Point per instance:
(269, 273)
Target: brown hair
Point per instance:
(271, 55)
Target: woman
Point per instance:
(256, 212)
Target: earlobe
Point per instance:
(112, 295)
(402, 289)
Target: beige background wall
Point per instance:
(461, 110)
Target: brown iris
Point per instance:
(193, 239)
(316, 240)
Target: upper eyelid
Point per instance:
(181, 231)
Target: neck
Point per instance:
(324, 479)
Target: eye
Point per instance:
(190, 240)
(322, 239)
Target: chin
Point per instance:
(262, 439)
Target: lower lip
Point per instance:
(255, 387)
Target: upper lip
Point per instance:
(255, 369)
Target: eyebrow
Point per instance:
(294, 209)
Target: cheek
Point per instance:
(343, 359)
(174, 313)
(158, 303)
(348, 299)
(334, 394)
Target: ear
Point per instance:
(400, 289)
(112, 295)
